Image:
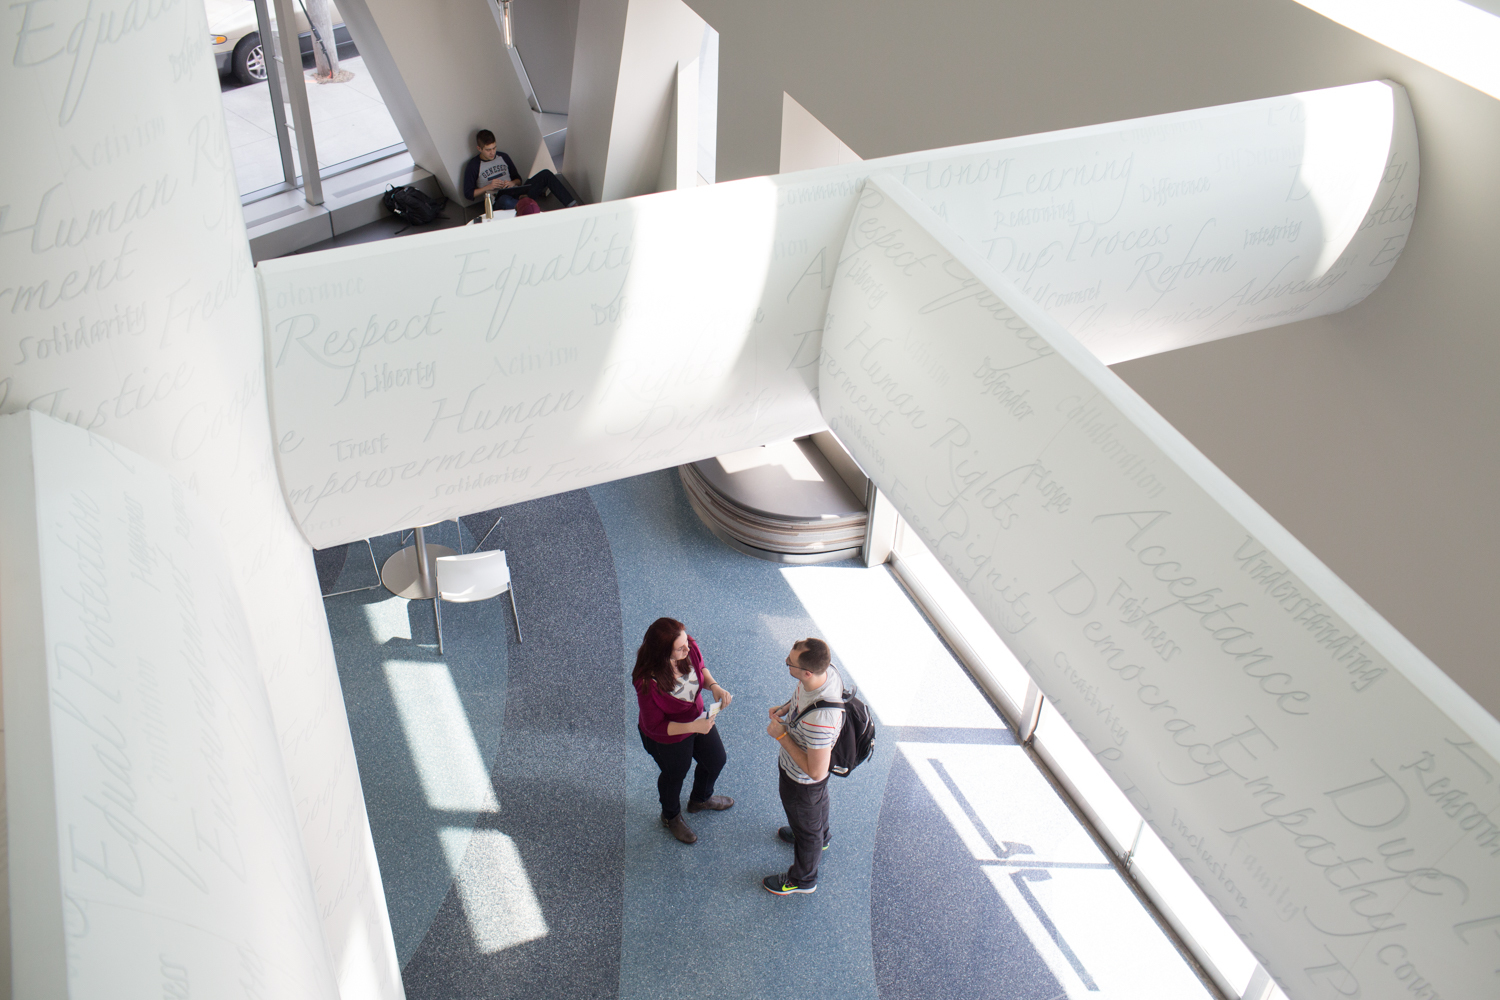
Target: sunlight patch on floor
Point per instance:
(388, 620)
(1081, 918)
(903, 670)
(442, 743)
(500, 905)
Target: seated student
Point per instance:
(496, 172)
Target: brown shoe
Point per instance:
(679, 829)
(718, 803)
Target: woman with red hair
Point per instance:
(670, 679)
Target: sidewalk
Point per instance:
(349, 119)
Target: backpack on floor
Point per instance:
(412, 206)
(856, 739)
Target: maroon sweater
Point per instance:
(659, 708)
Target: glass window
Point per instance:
(1111, 811)
(350, 121)
(349, 118)
(919, 564)
(1197, 920)
(251, 119)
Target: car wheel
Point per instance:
(249, 59)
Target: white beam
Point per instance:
(1327, 786)
(496, 364)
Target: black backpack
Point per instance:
(856, 739)
(412, 206)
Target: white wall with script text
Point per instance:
(1328, 788)
(1373, 422)
(129, 309)
(456, 371)
(153, 828)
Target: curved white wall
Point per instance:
(456, 371)
(1376, 421)
(1329, 789)
(129, 308)
(152, 843)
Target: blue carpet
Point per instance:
(565, 885)
(559, 771)
(370, 628)
(939, 929)
(697, 922)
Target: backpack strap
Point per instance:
(814, 707)
(849, 692)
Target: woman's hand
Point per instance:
(702, 725)
(721, 696)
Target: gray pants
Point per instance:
(807, 814)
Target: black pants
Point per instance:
(543, 182)
(674, 759)
(807, 814)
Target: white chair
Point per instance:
(477, 576)
(374, 586)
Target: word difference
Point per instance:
(1164, 189)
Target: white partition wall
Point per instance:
(625, 68)
(479, 367)
(462, 370)
(128, 307)
(1328, 788)
(154, 849)
(1147, 236)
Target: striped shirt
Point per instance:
(818, 729)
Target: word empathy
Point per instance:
(1330, 791)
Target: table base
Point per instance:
(400, 576)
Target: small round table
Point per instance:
(411, 572)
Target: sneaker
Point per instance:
(717, 803)
(680, 829)
(785, 833)
(778, 885)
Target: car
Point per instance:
(234, 32)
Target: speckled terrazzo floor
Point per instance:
(515, 813)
